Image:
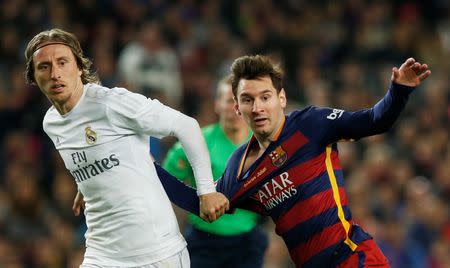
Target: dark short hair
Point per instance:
(58, 36)
(254, 67)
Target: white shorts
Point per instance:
(178, 260)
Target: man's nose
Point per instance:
(55, 72)
(256, 106)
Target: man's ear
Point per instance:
(236, 106)
(282, 97)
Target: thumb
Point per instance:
(76, 210)
(395, 74)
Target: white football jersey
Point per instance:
(104, 143)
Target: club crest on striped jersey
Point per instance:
(278, 156)
(91, 136)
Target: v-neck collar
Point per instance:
(259, 159)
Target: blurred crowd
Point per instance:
(335, 53)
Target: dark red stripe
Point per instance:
(312, 168)
(307, 209)
(328, 237)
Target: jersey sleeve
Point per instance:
(134, 111)
(177, 164)
(228, 184)
(150, 117)
(331, 125)
(179, 193)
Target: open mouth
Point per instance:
(260, 121)
(57, 88)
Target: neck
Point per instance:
(265, 140)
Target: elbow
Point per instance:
(191, 122)
(185, 122)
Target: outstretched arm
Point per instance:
(179, 193)
(212, 204)
(336, 124)
(185, 196)
(134, 113)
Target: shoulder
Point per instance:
(101, 93)
(51, 113)
(50, 117)
(304, 113)
(117, 98)
(313, 114)
(237, 155)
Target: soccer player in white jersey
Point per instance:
(102, 136)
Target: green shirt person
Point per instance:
(241, 243)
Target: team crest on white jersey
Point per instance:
(278, 156)
(91, 136)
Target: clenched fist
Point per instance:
(213, 205)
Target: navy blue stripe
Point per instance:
(361, 259)
(324, 258)
(303, 231)
(304, 191)
(339, 177)
(358, 235)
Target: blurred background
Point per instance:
(335, 54)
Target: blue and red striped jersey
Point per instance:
(298, 180)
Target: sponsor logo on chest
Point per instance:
(275, 191)
(85, 168)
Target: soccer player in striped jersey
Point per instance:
(241, 227)
(102, 136)
(290, 168)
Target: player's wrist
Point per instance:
(206, 192)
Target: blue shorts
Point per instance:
(214, 251)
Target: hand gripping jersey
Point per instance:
(298, 181)
(220, 148)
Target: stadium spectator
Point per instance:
(150, 66)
